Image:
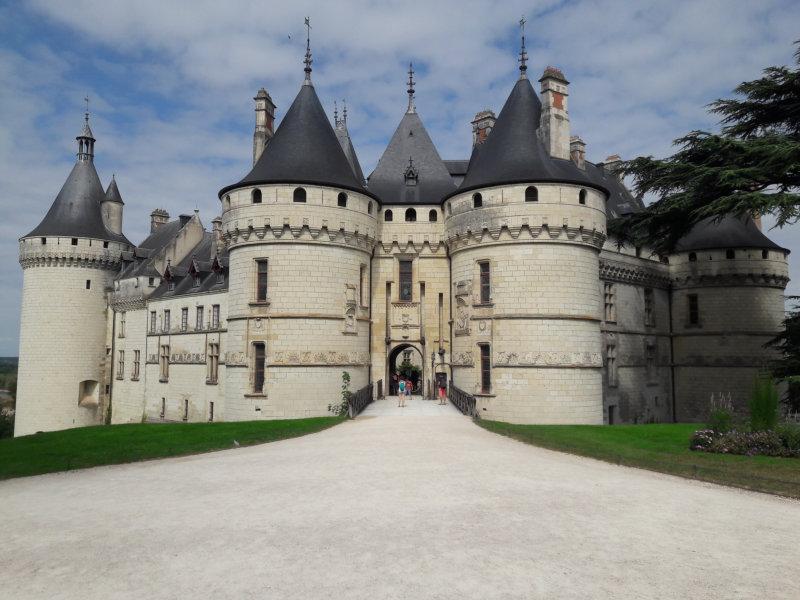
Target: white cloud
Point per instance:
(172, 85)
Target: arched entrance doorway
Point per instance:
(406, 361)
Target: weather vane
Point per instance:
(86, 99)
(523, 55)
(308, 60)
(410, 87)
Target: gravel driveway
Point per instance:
(391, 507)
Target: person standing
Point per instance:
(401, 393)
(442, 394)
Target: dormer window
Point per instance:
(299, 195)
(220, 277)
(196, 280)
(171, 286)
(411, 174)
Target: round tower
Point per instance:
(524, 232)
(112, 207)
(68, 263)
(728, 281)
(299, 228)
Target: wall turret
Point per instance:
(112, 207)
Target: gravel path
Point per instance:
(391, 507)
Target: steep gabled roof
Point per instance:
(728, 232)
(304, 149)
(411, 141)
(513, 152)
(76, 210)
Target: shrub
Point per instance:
(342, 408)
(6, 423)
(790, 436)
(702, 439)
(764, 404)
(749, 443)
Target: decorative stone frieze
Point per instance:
(635, 275)
(548, 359)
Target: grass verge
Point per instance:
(110, 445)
(663, 448)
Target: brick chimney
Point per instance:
(554, 126)
(482, 126)
(611, 165)
(265, 123)
(577, 151)
(158, 218)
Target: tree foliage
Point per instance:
(751, 167)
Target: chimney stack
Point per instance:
(611, 165)
(577, 151)
(265, 123)
(158, 218)
(216, 228)
(554, 126)
(482, 126)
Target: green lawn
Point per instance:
(108, 445)
(663, 448)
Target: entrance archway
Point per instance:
(406, 360)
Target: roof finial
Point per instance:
(344, 112)
(308, 60)
(86, 114)
(523, 55)
(335, 114)
(411, 107)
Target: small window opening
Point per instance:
(341, 200)
(88, 284)
(388, 216)
(433, 216)
(256, 196)
(692, 257)
(44, 240)
(694, 310)
(477, 200)
(258, 367)
(531, 194)
(765, 254)
(582, 197)
(299, 195)
(730, 254)
(369, 208)
(105, 244)
(74, 241)
(411, 215)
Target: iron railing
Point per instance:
(462, 400)
(359, 400)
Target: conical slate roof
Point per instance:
(729, 232)
(347, 147)
(112, 193)
(76, 210)
(411, 141)
(513, 152)
(304, 149)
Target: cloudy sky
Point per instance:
(171, 86)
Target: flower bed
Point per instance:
(783, 441)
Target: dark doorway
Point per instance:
(406, 361)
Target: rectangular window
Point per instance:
(486, 282)
(258, 367)
(151, 281)
(166, 321)
(215, 316)
(611, 365)
(121, 365)
(210, 411)
(88, 284)
(74, 241)
(406, 271)
(185, 409)
(486, 369)
(213, 362)
(362, 285)
(136, 364)
(152, 321)
(694, 310)
(649, 309)
(198, 322)
(184, 319)
(121, 325)
(609, 293)
(163, 407)
(163, 359)
(261, 281)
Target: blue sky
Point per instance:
(171, 86)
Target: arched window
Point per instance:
(531, 194)
(341, 199)
(582, 197)
(477, 200)
(387, 215)
(256, 196)
(369, 207)
(692, 257)
(433, 216)
(411, 215)
(299, 195)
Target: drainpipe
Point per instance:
(672, 355)
(107, 418)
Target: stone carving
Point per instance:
(463, 359)
(548, 359)
(463, 289)
(235, 359)
(349, 308)
(320, 358)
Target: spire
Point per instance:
(308, 59)
(523, 55)
(344, 112)
(335, 114)
(411, 107)
(112, 192)
(86, 138)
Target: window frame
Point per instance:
(341, 200)
(199, 317)
(388, 216)
(262, 281)
(408, 294)
(531, 197)
(477, 200)
(692, 310)
(484, 282)
(485, 368)
(300, 195)
(259, 370)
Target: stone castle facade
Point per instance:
(495, 273)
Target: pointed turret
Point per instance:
(112, 192)
(76, 211)
(346, 143)
(112, 207)
(411, 145)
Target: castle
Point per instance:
(495, 273)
